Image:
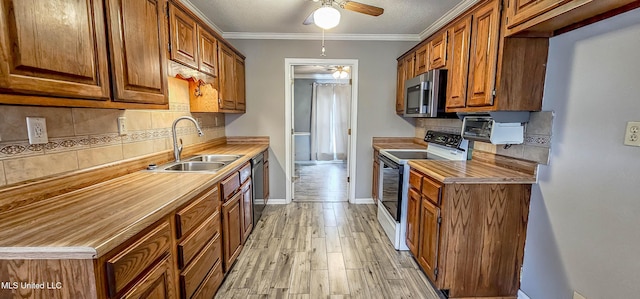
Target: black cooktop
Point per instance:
(412, 155)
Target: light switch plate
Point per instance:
(37, 130)
(632, 134)
(123, 129)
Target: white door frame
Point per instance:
(353, 119)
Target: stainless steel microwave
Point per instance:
(425, 95)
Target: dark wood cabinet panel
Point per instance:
(227, 80)
(247, 210)
(422, 59)
(429, 238)
(438, 51)
(137, 40)
(157, 284)
(208, 49)
(413, 220)
(484, 55)
(46, 49)
(241, 101)
(197, 271)
(400, 87)
(460, 34)
(195, 212)
(184, 37)
(232, 229)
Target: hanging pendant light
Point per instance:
(326, 17)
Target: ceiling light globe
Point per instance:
(326, 17)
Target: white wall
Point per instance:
(265, 98)
(584, 224)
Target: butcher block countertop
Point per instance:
(89, 222)
(471, 172)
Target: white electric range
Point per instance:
(394, 179)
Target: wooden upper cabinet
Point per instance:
(422, 59)
(46, 49)
(137, 40)
(241, 101)
(429, 238)
(227, 81)
(460, 34)
(208, 51)
(400, 87)
(438, 51)
(483, 61)
(521, 11)
(410, 66)
(184, 37)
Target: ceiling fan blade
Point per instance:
(309, 19)
(363, 8)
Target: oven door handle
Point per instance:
(387, 161)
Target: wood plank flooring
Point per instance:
(323, 182)
(323, 250)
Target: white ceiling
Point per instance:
(282, 19)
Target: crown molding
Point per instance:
(202, 16)
(318, 36)
(447, 17)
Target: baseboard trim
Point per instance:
(277, 201)
(522, 295)
(363, 201)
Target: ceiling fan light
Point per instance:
(326, 17)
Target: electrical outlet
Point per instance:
(577, 295)
(122, 126)
(632, 134)
(37, 130)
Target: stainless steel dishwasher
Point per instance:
(257, 176)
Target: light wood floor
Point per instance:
(325, 182)
(323, 250)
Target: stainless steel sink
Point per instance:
(190, 167)
(215, 158)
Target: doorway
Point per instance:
(321, 101)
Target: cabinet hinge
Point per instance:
(439, 220)
(348, 179)
(349, 132)
(435, 271)
(169, 46)
(493, 93)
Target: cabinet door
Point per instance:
(484, 55)
(232, 229)
(47, 49)
(422, 59)
(521, 11)
(409, 66)
(400, 88)
(208, 49)
(413, 221)
(375, 185)
(247, 210)
(460, 34)
(184, 38)
(429, 238)
(438, 51)
(265, 180)
(157, 284)
(138, 57)
(240, 84)
(227, 80)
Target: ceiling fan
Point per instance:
(327, 17)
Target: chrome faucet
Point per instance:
(177, 149)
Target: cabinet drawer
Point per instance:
(211, 283)
(431, 190)
(133, 260)
(230, 185)
(157, 283)
(245, 172)
(193, 214)
(191, 277)
(188, 248)
(415, 179)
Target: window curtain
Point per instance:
(331, 105)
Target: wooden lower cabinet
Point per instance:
(157, 284)
(247, 209)
(413, 220)
(232, 229)
(471, 236)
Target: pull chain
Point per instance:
(323, 50)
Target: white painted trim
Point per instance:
(446, 18)
(277, 201)
(353, 120)
(363, 201)
(196, 11)
(318, 36)
(522, 295)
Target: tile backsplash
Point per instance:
(537, 137)
(84, 137)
